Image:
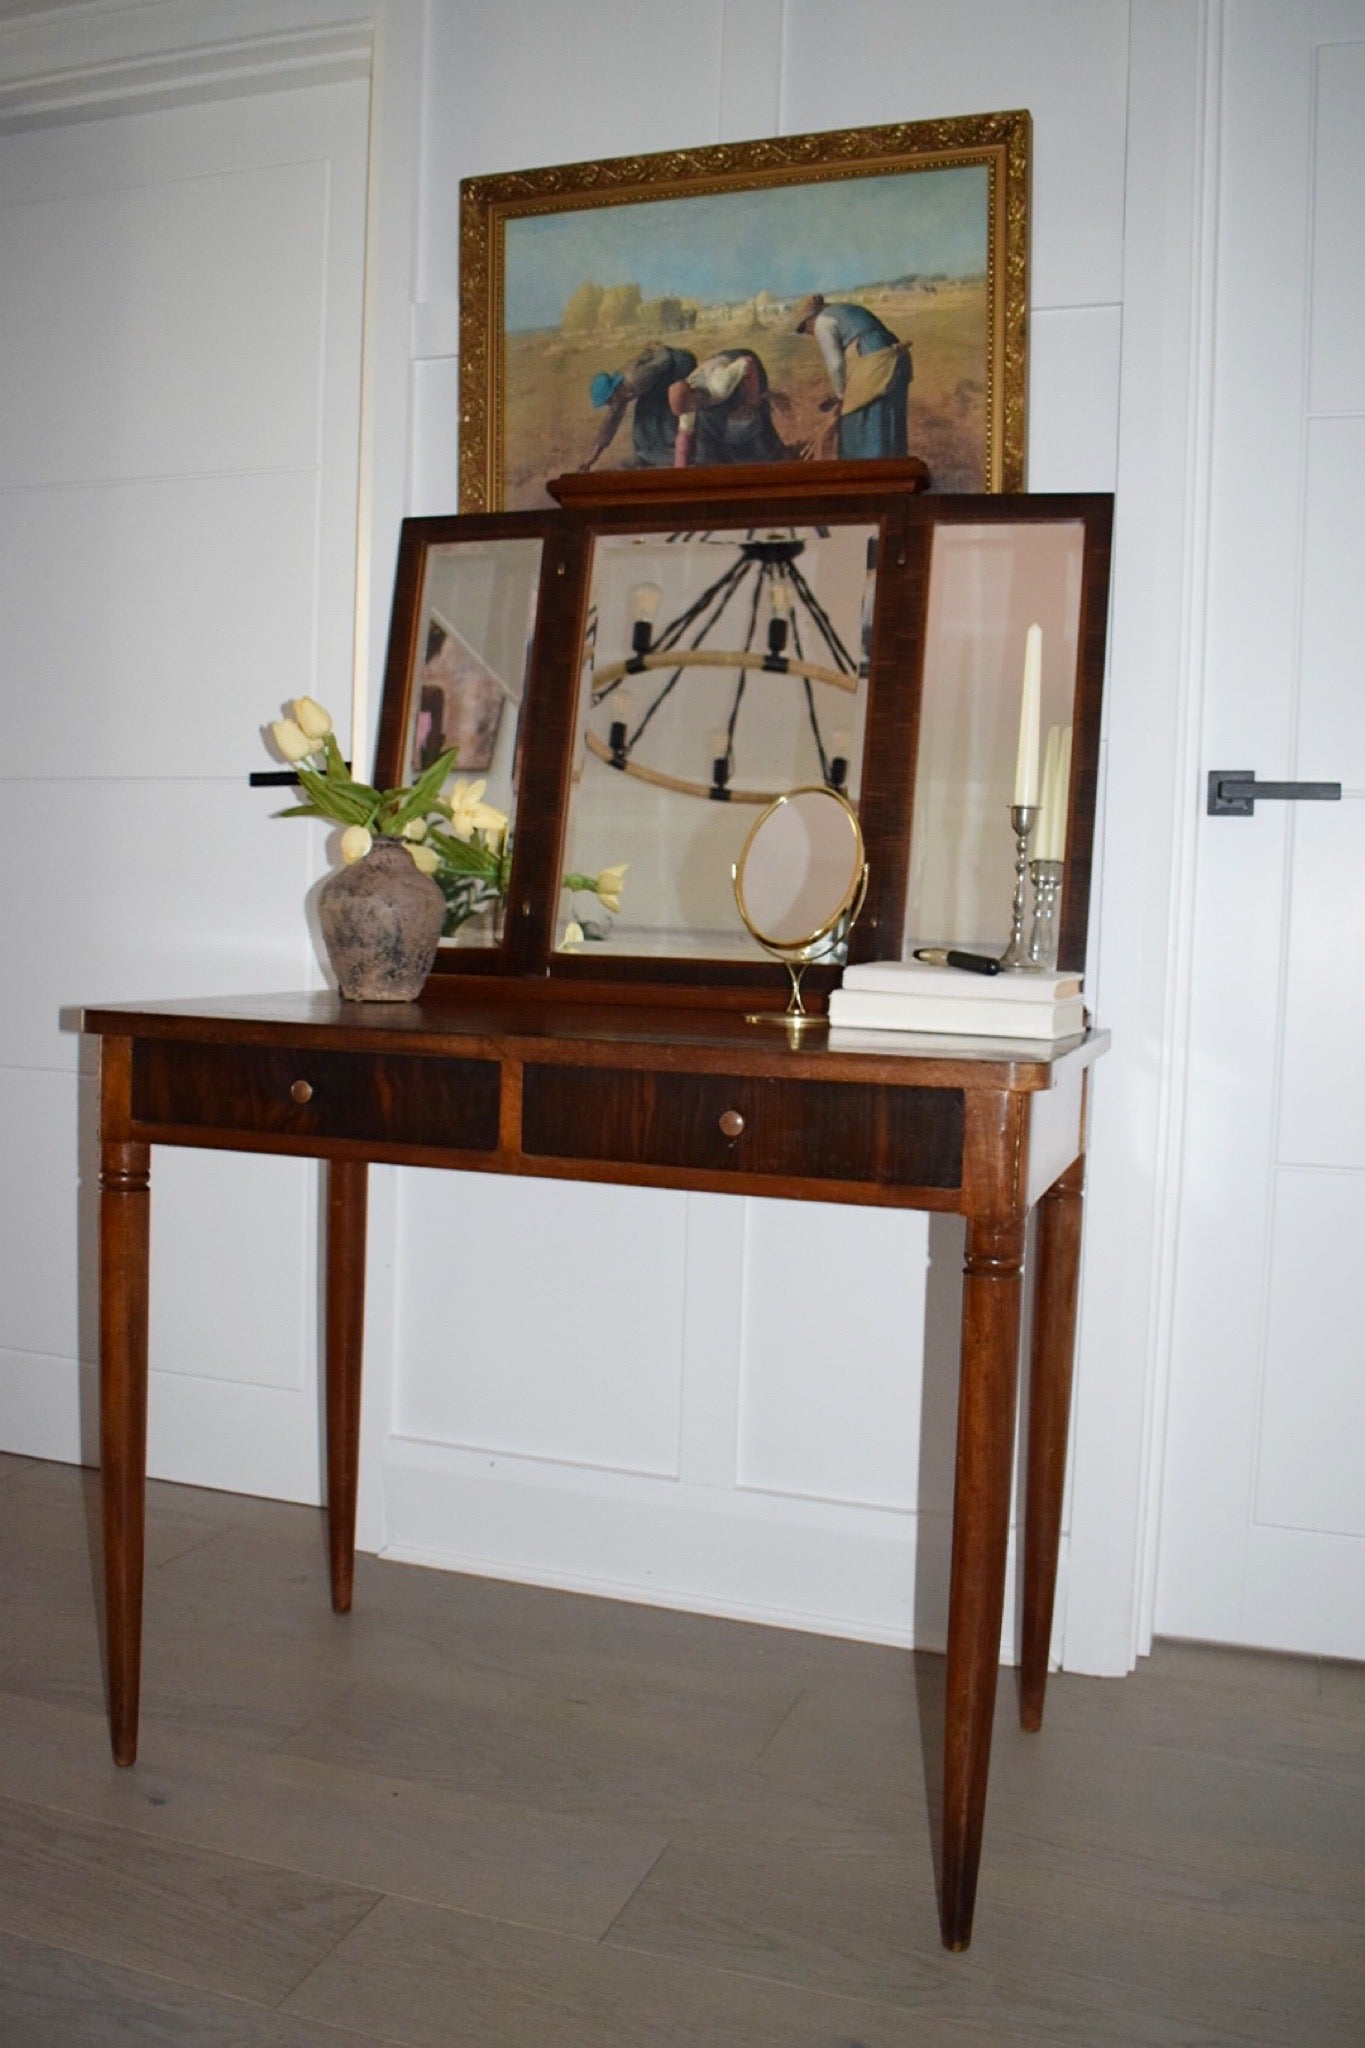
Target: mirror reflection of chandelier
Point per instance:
(765, 588)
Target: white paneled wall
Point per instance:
(738, 1406)
(180, 325)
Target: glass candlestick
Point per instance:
(1023, 818)
(1046, 876)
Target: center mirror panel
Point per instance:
(717, 671)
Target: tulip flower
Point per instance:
(470, 814)
(416, 828)
(291, 739)
(355, 844)
(573, 933)
(424, 858)
(312, 718)
(610, 883)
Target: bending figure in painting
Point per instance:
(724, 410)
(645, 380)
(870, 370)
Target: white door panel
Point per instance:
(1263, 1509)
(1333, 647)
(1322, 1091)
(1336, 372)
(1308, 1475)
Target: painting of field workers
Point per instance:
(837, 317)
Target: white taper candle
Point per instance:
(1030, 717)
(1046, 835)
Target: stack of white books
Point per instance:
(908, 995)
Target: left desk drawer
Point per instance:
(291, 1092)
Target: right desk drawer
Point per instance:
(744, 1124)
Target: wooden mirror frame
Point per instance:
(889, 495)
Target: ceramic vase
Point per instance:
(381, 919)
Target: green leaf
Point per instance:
(464, 856)
(417, 801)
(346, 803)
(339, 776)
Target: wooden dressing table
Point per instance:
(525, 1062)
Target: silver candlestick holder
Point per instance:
(1023, 818)
(1046, 877)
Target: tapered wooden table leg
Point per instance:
(1049, 1414)
(981, 1502)
(125, 1210)
(347, 1198)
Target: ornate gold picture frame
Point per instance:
(862, 292)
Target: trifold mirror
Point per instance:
(632, 678)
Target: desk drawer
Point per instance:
(824, 1130)
(286, 1091)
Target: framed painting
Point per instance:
(862, 293)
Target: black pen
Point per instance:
(944, 956)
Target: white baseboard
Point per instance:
(825, 1567)
(200, 1432)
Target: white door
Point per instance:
(1263, 1508)
(181, 297)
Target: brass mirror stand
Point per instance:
(799, 884)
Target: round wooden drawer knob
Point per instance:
(731, 1123)
(302, 1091)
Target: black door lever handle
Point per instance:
(1233, 792)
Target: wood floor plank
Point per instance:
(50, 1998)
(485, 1643)
(541, 1628)
(444, 1980)
(1107, 1953)
(580, 1735)
(478, 1812)
(252, 1695)
(356, 1827)
(252, 1689)
(61, 1504)
(1113, 1758)
(246, 1929)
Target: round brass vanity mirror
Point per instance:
(799, 883)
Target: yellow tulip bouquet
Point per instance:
(451, 834)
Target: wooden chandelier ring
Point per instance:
(676, 782)
(716, 657)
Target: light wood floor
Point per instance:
(479, 1813)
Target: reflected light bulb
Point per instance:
(645, 600)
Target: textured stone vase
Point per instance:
(380, 921)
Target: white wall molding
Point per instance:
(147, 84)
(1186, 765)
(1140, 919)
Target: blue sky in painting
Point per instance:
(725, 246)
